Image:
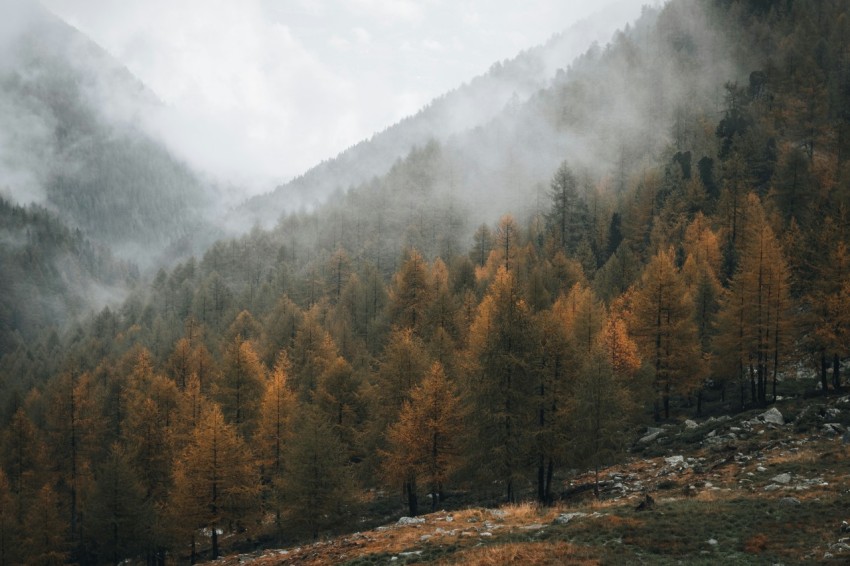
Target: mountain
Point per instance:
(506, 84)
(72, 140)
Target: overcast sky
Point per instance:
(263, 89)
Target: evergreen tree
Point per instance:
(216, 486)
(423, 445)
(318, 486)
(502, 347)
(663, 326)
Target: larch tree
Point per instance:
(10, 525)
(119, 514)
(598, 412)
(277, 412)
(754, 322)
(662, 323)
(423, 445)
(411, 293)
(318, 485)
(44, 540)
(241, 385)
(567, 218)
(216, 486)
(312, 351)
(22, 456)
(500, 357)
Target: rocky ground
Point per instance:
(763, 487)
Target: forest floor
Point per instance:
(768, 486)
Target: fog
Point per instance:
(258, 92)
(157, 171)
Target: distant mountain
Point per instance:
(508, 83)
(50, 274)
(71, 140)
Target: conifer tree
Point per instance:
(502, 347)
(754, 322)
(216, 486)
(423, 445)
(411, 293)
(119, 515)
(10, 525)
(44, 531)
(662, 323)
(318, 486)
(598, 412)
(240, 386)
(277, 413)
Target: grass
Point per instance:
(730, 519)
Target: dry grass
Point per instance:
(531, 554)
(529, 512)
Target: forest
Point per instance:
(387, 345)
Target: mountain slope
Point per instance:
(71, 139)
(507, 83)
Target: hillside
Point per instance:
(756, 488)
(474, 104)
(659, 235)
(72, 140)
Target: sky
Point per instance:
(257, 91)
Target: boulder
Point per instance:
(772, 416)
(651, 434)
(565, 518)
(783, 478)
(411, 521)
(690, 424)
(675, 460)
(789, 501)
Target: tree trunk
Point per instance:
(836, 372)
(412, 501)
(823, 379)
(699, 403)
(596, 480)
(541, 480)
(215, 542)
(550, 471)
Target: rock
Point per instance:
(675, 460)
(712, 542)
(845, 527)
(773, 487)
(789, 501)
(690, 424)
(781, 478)
(772, 416)
(761, 469)
(650, 437)
(565, 518)
(485, 534)
(411, 521)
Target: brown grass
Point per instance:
(531, 554)
(756, 544)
